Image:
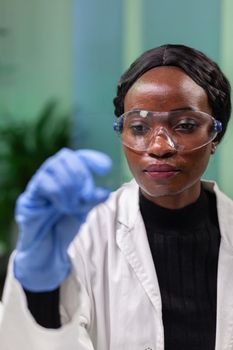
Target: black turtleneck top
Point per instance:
(185, 244)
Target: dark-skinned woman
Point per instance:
(149, 266)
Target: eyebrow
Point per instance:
(183, 109)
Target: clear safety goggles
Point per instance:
(182, 130)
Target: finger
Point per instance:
(98, 195)
(97, 162)
(60, 176)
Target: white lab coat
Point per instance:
(111, 301)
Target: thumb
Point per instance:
(97, 162)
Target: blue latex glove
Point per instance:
(50, 212)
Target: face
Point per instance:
(165, 176)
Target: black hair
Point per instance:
(204, 71)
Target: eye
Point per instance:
(138, 129)
(186, 126)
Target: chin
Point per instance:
(189, 191)
(160, 192)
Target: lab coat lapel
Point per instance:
(135, 247)
(224, 335)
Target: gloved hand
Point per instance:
(50, 212)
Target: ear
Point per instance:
(214, 147)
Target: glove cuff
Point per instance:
(43, 278)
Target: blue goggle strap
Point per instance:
(118, 125)
(217, 126)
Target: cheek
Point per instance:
(196, 162)
(133, 160)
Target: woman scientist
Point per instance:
(151, 266)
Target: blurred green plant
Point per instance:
(24, 145)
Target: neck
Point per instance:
(177, 200)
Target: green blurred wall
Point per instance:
(76, 50)
(35, 54)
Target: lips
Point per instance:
(161, 170)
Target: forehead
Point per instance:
(166, 88)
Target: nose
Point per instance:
(161, 144)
